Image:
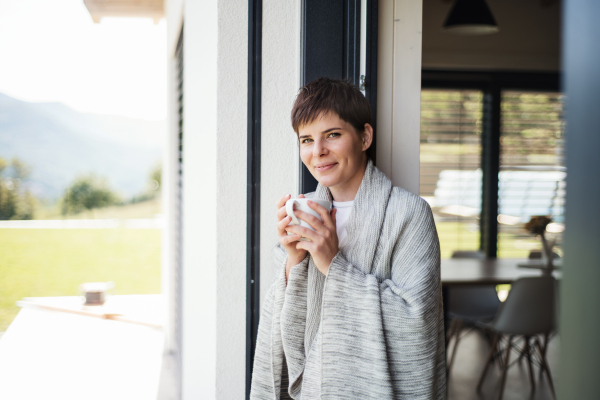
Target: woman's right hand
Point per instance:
(295, 256)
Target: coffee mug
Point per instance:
(95, 293)
(300, 204)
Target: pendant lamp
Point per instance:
(470, 17)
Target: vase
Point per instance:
(547, 254)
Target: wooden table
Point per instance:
(469, 271)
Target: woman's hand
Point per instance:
(323, 245)
(295, 256)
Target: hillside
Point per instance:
(60, 143)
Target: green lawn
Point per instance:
(53, 262)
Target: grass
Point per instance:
(53, 262)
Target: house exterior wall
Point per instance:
(399, 91)
(232, 80)
(279, 149)
(214, 193)
(200, 205)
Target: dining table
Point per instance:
(488, 272)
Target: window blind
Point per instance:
(450, 159)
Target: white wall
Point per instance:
(231, 177)
(280, 83)
(199, 337)
(399, 91)
(529, 38)
(214, 202)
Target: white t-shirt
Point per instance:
(341, 220)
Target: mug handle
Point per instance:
(289, 208)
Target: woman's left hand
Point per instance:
(323, 245)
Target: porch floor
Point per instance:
(64, 355)
(469, 362)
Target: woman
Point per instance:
(356, 312)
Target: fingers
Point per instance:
(287, 239)
(304, 232)
(310, 219)
(304, 245)
(282, 200)
(281, 213)
(325, 216)
(282, 224)
(300, 196)
(311, 247)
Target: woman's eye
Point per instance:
(334, 134)
(306, 140)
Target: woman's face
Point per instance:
(333, 152)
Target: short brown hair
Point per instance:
(331, 95)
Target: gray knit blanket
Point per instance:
(373, 327)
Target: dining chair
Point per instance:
(529, 311)
(468, 305)
(537, 255)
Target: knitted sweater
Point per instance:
(373, 327)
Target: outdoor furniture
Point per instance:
(467, 306)
(529, 311)
(522, 192)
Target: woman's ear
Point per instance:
(367, 137)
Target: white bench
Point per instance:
(522, 193)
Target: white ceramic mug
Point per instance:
(95, 293)
(300, 204)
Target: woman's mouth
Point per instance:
(325, 167)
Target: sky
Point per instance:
(51, 50)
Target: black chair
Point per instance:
(467, 306)
(537, 255)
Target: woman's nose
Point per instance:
(319, 148)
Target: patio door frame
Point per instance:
(330, 46)
(253, 183)
(331, 39)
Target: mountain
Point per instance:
(60, 143)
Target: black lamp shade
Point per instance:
(470, 17)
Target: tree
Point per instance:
(156, 177)
(86, 193)
(16, 201)
(153, 186)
